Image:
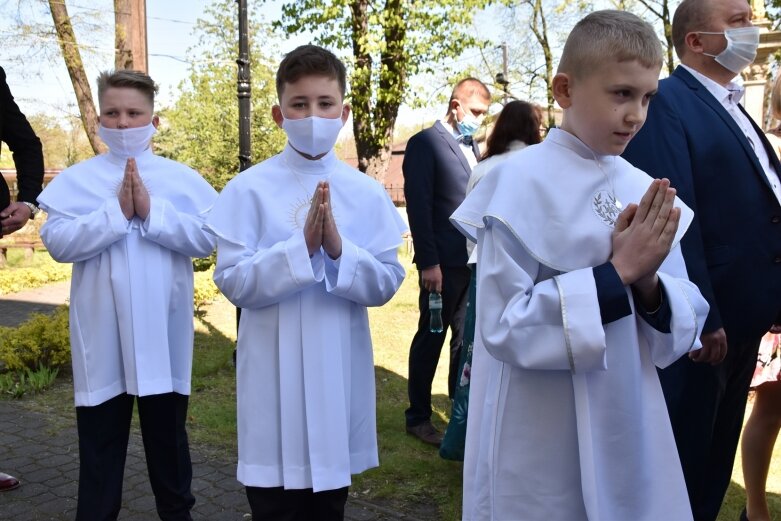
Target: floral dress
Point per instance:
(768, 361)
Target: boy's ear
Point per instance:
(156, 121)
(276, 114)
(562, 89)
(346, 109)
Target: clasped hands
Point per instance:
(320, 226)
(642, 238)
(133, 195)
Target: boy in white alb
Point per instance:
(130, 222)
(581, 293)
(315, 245)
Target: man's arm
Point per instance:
(419, 172)
(23, 143)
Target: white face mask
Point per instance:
(127, 142)
(313, 136)
(742, 43)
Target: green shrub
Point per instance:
(42, 341)
(19, 383)
(205, 290)
(45, 272)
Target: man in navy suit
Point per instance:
(698, 135)
(437, 164)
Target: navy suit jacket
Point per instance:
(436, 173)
(733, 247)
(17, 133)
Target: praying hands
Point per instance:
(133, 195)
(320, 226)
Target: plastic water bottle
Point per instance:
(435, 308)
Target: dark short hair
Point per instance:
(127, 79)
(310, 60)
(609, 35)
(690, 15)
(518, 121)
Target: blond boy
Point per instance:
(130, 222)
(581, 294)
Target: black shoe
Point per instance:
(426, 433)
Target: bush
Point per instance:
(19, 279)
(42, 341)
(19, 383)
(204, 289)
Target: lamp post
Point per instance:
(244, 89)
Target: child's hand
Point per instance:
(643, 236)
(332, 241)
(125, 194)
(140, 194)
(313, 227)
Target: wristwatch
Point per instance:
(33, 208)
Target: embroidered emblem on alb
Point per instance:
(606, 207)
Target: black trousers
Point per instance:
(278, 504)
(104, 431)
(426, 346)
(706, 405)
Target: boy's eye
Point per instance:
(326, 104)
(623, 93)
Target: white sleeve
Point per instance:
(362, 277)
(177, 231)
(254, 279)
(552, 325)
(688, 311)
(75, 239)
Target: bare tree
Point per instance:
(72, 56)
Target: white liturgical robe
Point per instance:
(131, 301)
(567, 420)
(305, 375)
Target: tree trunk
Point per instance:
(72, 57)
(377, 163)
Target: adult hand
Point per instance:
(432, 279)
(313, 227)
(14, 217)
(332, 241)
(714, 348)
(141, 201)
(125, 194)
(644, 234)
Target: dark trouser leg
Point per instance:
(278, 504)
(427, 346)
(163, 419)
(103, 435)
(706, 405)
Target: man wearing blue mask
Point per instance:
(437, 164)
(699, 136)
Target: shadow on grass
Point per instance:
(735, 500)
(411, 478)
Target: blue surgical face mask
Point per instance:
(741, 50)
(469, 125)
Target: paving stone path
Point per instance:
(41, 449)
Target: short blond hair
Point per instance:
(128, 79)
(606, 35)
